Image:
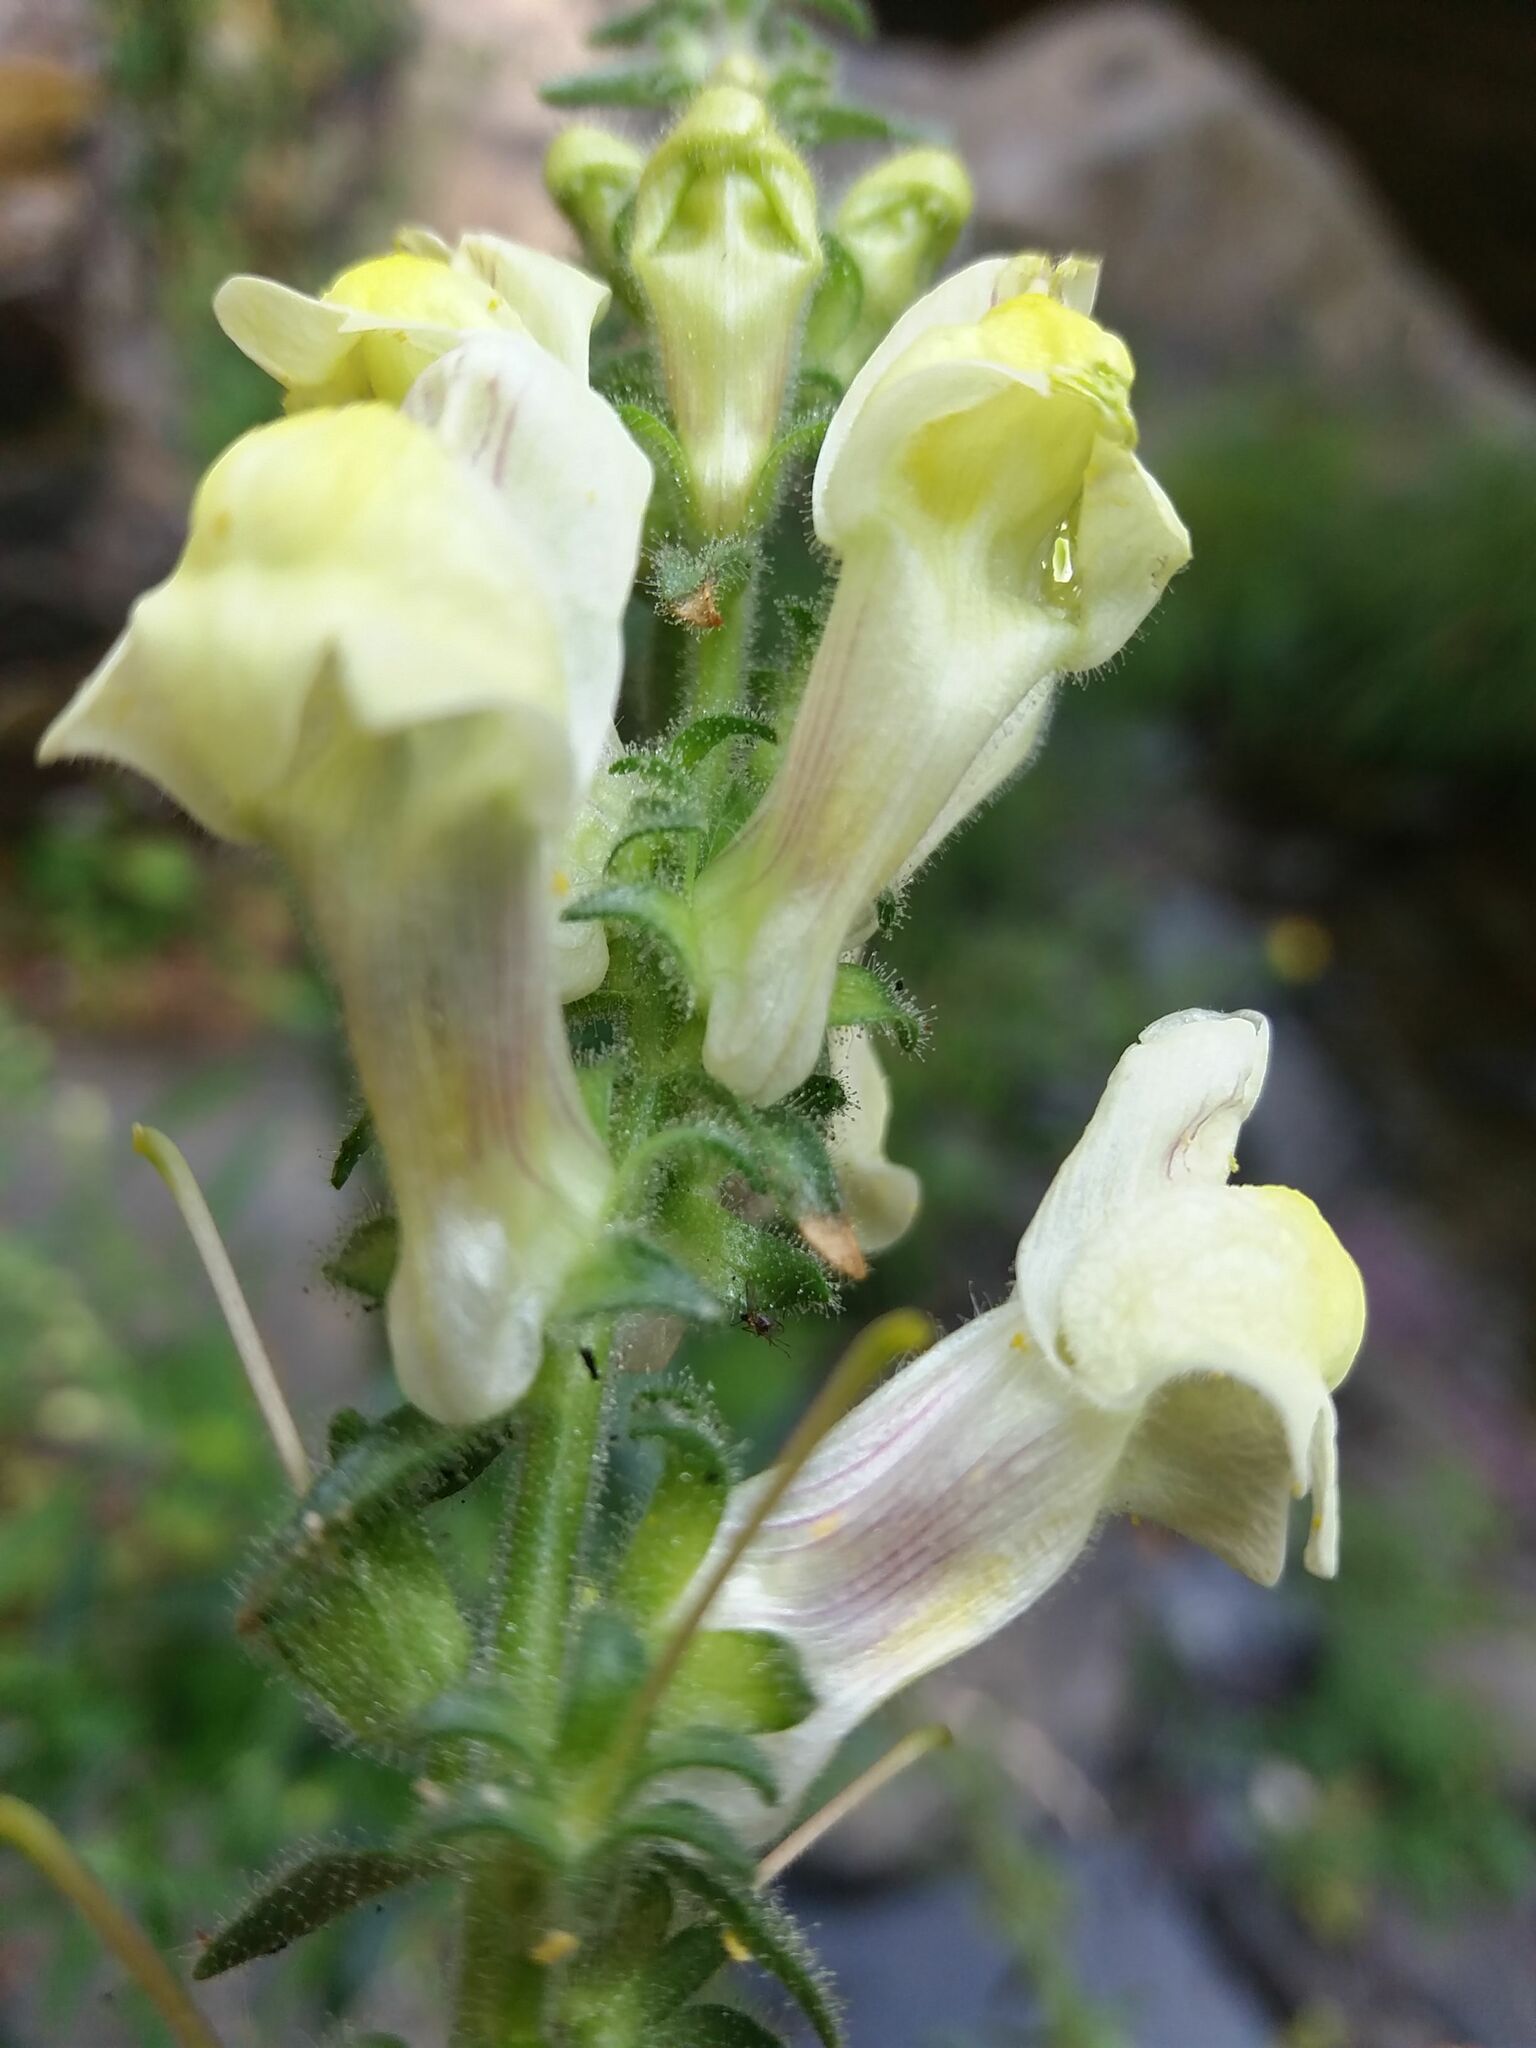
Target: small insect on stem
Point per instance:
(758, 1323)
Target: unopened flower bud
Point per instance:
(897, 223)
(591, 175)
(726, 248)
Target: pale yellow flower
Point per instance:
(996, 533)
(1170, 1349)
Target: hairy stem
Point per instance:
(502, 1977)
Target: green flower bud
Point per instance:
(591, 176)
(898, 223)
(726, 249)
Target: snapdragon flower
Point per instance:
(996, 532)
(1170, 1349)
(390, 651)
(378, 325)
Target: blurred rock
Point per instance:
(481, 128)
(1240, 238)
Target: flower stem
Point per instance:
(719, 682)
(506, 1901)
(44, 1847)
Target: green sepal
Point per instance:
(709, 1749)
(351, 1596)
(762, 1926)
(861, 996)
(796, 1154)
(838, 302)
(657, 821)
(366, 1261)
(351, 1149)
(638, 85)
(655, 911)
(800, 442)
(674, 1535)
(606, 1671)
(711, 1147)
(673, 508)
(818, 1097)
(309, 1894)
(683, 1824)
(694, 742)
(366, 1621)
(678, 572)
(399, 1460)
(718, 2026)
(684, 1966)
(746, 1680)
(629, 1271)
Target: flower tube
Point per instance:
(377, 326)
(369, 659)
(996, 532)
(1170, 1349)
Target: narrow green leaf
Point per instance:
(674, 1534)
(307, 1895)
(695, 742)
(673, 507)
(606, 1671)
(628, 1271)
(366, 1261)
(860, 996)
(525, 1818)
(816, 126)
(719, 2026)
(351, 1149)
(762, 1926)
(625, 30)
(483, 1711)
(656, 911)
(801, 442)
(708, 1749)
(626, 85)
(664, 824)
(687, 1825)
(709, 1147)
(684, 1966)
(744, 1680)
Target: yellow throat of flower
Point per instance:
(420, 292)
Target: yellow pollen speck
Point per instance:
(1018, 1341)
(562, 882)
(735, 1947)
(826, 1525)
(1135, 1521)
(555, 1947)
